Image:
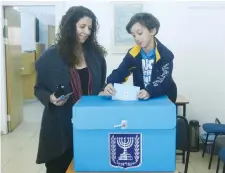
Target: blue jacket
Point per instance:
(161, 83)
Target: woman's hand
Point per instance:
(101, 93)
(143, 94)
(109, 90)
(58, 101)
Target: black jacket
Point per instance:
(56, 127)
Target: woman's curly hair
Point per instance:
(67, 40)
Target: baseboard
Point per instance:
(30, 100)
(2, 133)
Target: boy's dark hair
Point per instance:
(145, 19)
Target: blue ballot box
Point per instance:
(117, 136)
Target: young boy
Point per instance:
(150, 62)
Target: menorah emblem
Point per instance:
(125, 143)
(125, 150)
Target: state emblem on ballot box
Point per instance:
(125, 150)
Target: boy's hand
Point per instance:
(109, 90)
(101, 93)
(143, 94)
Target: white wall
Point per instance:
(3, 110)
(44, 21)
(28, 42)
(45, 15)
(197, 39)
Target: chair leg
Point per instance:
(218, 165)
(205, 144)
(187, 162)
(183, 156)
(212, 152)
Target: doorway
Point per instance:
(28, 31)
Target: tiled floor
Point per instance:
(19, 148)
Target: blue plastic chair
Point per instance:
(222, 158)
(212, 129)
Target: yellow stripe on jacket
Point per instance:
(137, 49)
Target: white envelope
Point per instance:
(125, 92)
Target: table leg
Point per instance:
(184, 110)
(183, 157)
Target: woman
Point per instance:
(150, 61)
(77, 63)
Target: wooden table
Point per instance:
(70, 168)
(182, 101)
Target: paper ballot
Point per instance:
(125, 92)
